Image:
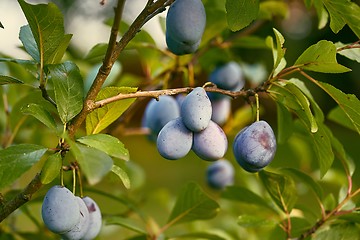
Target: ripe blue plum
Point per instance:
(228, 76)
(196, 110)
(211, 143)
(60, 210)
(221, 109)
(254, 147)
(174, 140)
(81, 228)
(95, 219)
(220, 174)
(158, 113)
(185, 25)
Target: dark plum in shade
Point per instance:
(220, 174)
(185, 25)
(254, 147)
(174, 140)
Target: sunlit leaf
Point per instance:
(51, 168)
(106, 143)
(322, 14)
(271, 9)
(281, 189)
(16, 160)
(278, 51)
(240, 13)
(350, 53)
(320, 57)
(122, 175)
(99, 119)
(40, 113)
(68, 87)
(9, 80)
(192, 204)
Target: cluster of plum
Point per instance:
(72, 217)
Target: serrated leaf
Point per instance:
(284, 123)
(281, 189)
(306, 179)
(199, 235)
(252, 221)
(47, 26)
(343, 12)
(51, 168)
(241, 194)
(349, 103)
(320, 57)
(240, 13)
(106, 143)
(68, 87)
(40, 113)
(9, 80)
(350, 53)
(99, 119)
(95, 164)
(126, 223)
(16, 160)
(192, 204)
(122, 175)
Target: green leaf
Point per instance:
(349, 103)
(94, 163)
(199, 235)
(240, 13)
(99, 119)
(285, 123)
(252, 221)
(192, 204)
(338, 116)
(281, 189)
(241, 194)
(278, 51)
(51, 168)
(323, 15)
(9, 80)
(321, 57)
(29, 43)
(306, 179)
(106, 143)
(344, 231)
(124, 222)
(40, 113)
(68, 86)
(351, 53)
(47, 26)
(97, 53)
(249, 42)
(16, 160)
(122, 175)
(343, 12)
(270, 9)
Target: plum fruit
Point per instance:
(95, 219)
(254, 147)
(211, 143)
(196, 110)
(221, 109)
(60, 210)
(228, 76)
(174, 140)
(185, 25)
(220, 174)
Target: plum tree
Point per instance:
(211, 143)
(174, 140)
(95, 219)
(221, 109)
(196, 110)
(254, 146)
(60, 210)
(158, 113)
(185, 25)
(220, 174)
(81, 228)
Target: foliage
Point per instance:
(83, 138)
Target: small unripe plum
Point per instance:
(95, 219)
(185, 25)
(254, 147)
(158, 113)
(60, 210)
(196, 110)
(228, 76)
(211, 143)
(174, 140)
(81, 228)
(221, 109)
(220, 174)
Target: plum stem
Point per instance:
(257, 107)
